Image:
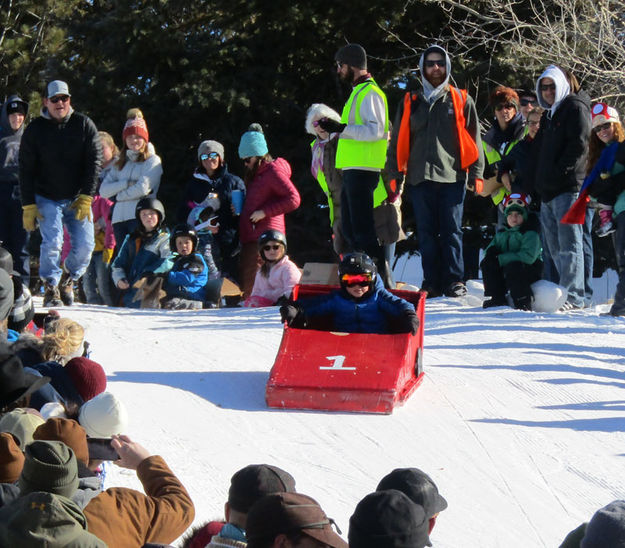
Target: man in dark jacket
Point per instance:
(427, 147)
(59, 163)
(562, 142)
(12, 234)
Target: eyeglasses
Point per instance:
(602, 127)
(547, 87)
(525, 102)
(351, 280)
(209, 156)
(507, 106)
(273, 247)
(57, 98)
(435, 63)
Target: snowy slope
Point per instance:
(520, 419)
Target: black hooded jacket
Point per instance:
(10, 143)
(562, 143)
(59, 160)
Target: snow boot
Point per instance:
(495, 301)
(52, 297)
(66, 289)
(523, 303)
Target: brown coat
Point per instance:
(125, 518)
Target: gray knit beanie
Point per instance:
(50, 466)
(606, 527)
(206, 147)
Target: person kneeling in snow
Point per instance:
(362, 305)
(277, 276)
(144, 253)
(186, 282)
(513, 258)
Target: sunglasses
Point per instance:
(57, 98)
(525, 102)
(507, 106)
(547, 87)
(352, 280)
(435, 63)
(248, 160)
(273, 247)
(602, 127)
(209, 156)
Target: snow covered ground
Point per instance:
(520, 419)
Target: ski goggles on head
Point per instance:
(351, 280)
(516, 199)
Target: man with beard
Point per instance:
(361, 151)
(436, 146)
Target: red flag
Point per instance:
(576, 215)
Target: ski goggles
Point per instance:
(517, 199)
(351, 280)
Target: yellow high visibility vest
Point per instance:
(354, 153)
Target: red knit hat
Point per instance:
(11, 459)
(69, 432)
(88, 377)
(136, 126)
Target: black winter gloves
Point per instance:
(289, 313)
(410, 322)
(331, 126)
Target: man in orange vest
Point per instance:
(436, 147)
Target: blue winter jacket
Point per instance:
(138, 257)
(188, 277)
(370, 314)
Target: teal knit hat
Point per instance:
(519, 209)
(253, 142)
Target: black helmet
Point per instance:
(271, 235)
(183, 229)
(150, 203)
(357, 263)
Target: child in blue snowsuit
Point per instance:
(186, 282)
(144, 253)
(362, 305)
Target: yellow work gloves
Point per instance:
(82, 207)
(107, 255)
(29, 216)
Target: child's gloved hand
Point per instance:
(411, 322)
(289, 313)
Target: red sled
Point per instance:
(331, 371)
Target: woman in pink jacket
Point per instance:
(270, 194)
(277, 276)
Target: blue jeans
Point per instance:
(55, 215)
(565, 246)
(438, 213)
(588, 254)
(97, 281)
(357, 211)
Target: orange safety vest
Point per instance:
(469, 152)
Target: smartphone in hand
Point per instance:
(101, 449)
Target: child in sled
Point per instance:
(277, 276)
(513, 258)
(186, 282)
(144, 253)
(362, 305)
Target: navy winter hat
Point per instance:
(606, 527)
(388, 519)
(253, 142)
(418, 486)
(353, 55)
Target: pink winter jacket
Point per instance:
(283, 276)
(272, 191)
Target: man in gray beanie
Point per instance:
(361, 153)
(44, 515)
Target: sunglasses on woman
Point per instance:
(209, 156)
(602, 127)
(430, 63)
(271, 247)
(507, 106)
